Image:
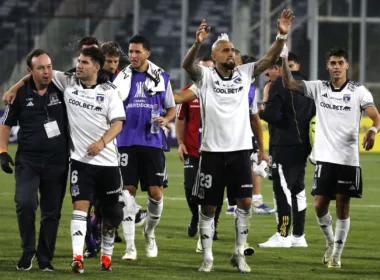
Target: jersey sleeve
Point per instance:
(248, 68)
(311, 88)
(10, 116)
(116, 110)
(169, 98)
(202, 81)
(253, 108)
(366, 99)
(61, 79)
(195, 90)
(182, 111)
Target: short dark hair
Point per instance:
(336, 51)
(111, 48)
(292, 57)
(34, 53)
(248, 58)
(138, 39)
(95, 54)
(87, 41)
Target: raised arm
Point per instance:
(194, 70)
(288, 80)
(283, 25)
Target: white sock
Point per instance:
(128, 222)
(206, 232)
(108, 240)
(242, 218)
(257, 199)
(325, 224)
(78, 228)
(341, 232)
(154, 214)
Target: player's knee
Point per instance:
(132, 190)
(321, 208)
(156, 193)
(112, 215)
(25, 204)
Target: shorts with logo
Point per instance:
(94, 182)
(331, 179)
(218, 170)
(143, 164)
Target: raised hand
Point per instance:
(285, 22)
(202, 32)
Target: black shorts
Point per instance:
(142, 164)
(190, 172)
(220, 169)
(331, 179)
(94, 182)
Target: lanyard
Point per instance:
(46, 102)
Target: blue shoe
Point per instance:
(263, 209)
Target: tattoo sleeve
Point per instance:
(288, 79)
(270, 58)
(194, 70)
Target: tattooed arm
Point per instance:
(188, 63)
(288, 80)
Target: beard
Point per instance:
(229, 66)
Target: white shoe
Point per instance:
(277, 241)
(150, 245)
(327, 255)
(238, 261)
(199, 246)
(206, 266)
(298, 241)
(130, 254)
(334, 262)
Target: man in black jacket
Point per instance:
(289, 148)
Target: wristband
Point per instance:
(3, 151)
(374, 129)
(104, 142)
(281, 37)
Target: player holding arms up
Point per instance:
(339, 104)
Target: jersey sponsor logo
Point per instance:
(227, 90)
(346, 98)
(140, 92)
(247, 186)
(85, 105)
(335, 107)
(100, 98)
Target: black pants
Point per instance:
(289, 192)
(48, 175)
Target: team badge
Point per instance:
(74, 190)
(346, 97)
(238, 80)
(100, 99)
(53, 99)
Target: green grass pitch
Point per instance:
(177, 258)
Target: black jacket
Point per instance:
(288, 115)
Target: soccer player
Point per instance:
(146, 91)
(226, 135)
(96, 114)
(340, 103)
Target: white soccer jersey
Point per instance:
(338, 120)
(224, 109)
(90, 111)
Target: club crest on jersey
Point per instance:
(74, 190)
(100, 99)
(53, 99)
(346, 97)
(238, 80)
